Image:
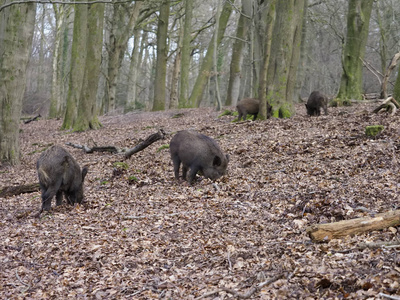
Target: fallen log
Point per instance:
(87, 149)
(326, 232)
(8, 191)
(160, 135)
(127, 152)
(32, 119)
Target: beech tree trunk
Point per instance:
(16, 32)
(284, 56)
(358, 17)
(202, 78)
(87, 110)
(162, 52)
(185, 57)
(133, 73)
(78, 61)
(237, 58)
(120, 34)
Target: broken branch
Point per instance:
(326, 232)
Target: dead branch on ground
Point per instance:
(160, 135)
(8, 191)
(246, 295)
(127, 152)
(389, 104)
(326, 232)
(32, 119)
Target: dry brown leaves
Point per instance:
(142, 235)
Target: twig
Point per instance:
(389, 296)
(246, 295)
(27, 286)
(159, 215)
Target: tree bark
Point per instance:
(237, 59)
(283, 61)
(358, 17)
(57, 97)
(87, 112)
(78, 60)
(326, 232)
(16, 32)
(262, 93)
(185, 59)
(120, 34)
(162, 52)
(133, 73)
(201, 81)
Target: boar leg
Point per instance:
(192, 173)
(176, 161)
(47, 195)
(184, 171)
(59, 198)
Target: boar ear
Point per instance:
(84, 172)
(217, 161)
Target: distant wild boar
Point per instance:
(250, 106)
(59, 173)
(199, 153)
(315, 102)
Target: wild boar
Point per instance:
(59, 173)
(315, 102)
(250, 106)
(199, 153)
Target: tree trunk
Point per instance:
(201, 81)
(87, 112)
(262, 93)
(16, 32)
(133, 73)
(396, 89)
(162, 52)
(57, 97)
(185, 59)
(174, 99)
(358, 17)
(120, 34)
(78, 60)
(284, 56)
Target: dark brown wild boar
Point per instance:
(59, 173)
(315, 102)
(199, 153)
(250, 106)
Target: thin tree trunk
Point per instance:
(162, 52)
(201, 81)
(262, 93)
(133, 73)
(185, 60)
(60, 12)
(118, 43)
(236, 62)
(16, 32)
(174, 101)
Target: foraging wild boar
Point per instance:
(59, 173)
(197, 152)
(315, 102)
(250, 106)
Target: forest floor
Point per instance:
(143, 235)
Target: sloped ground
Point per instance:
(143, 235)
